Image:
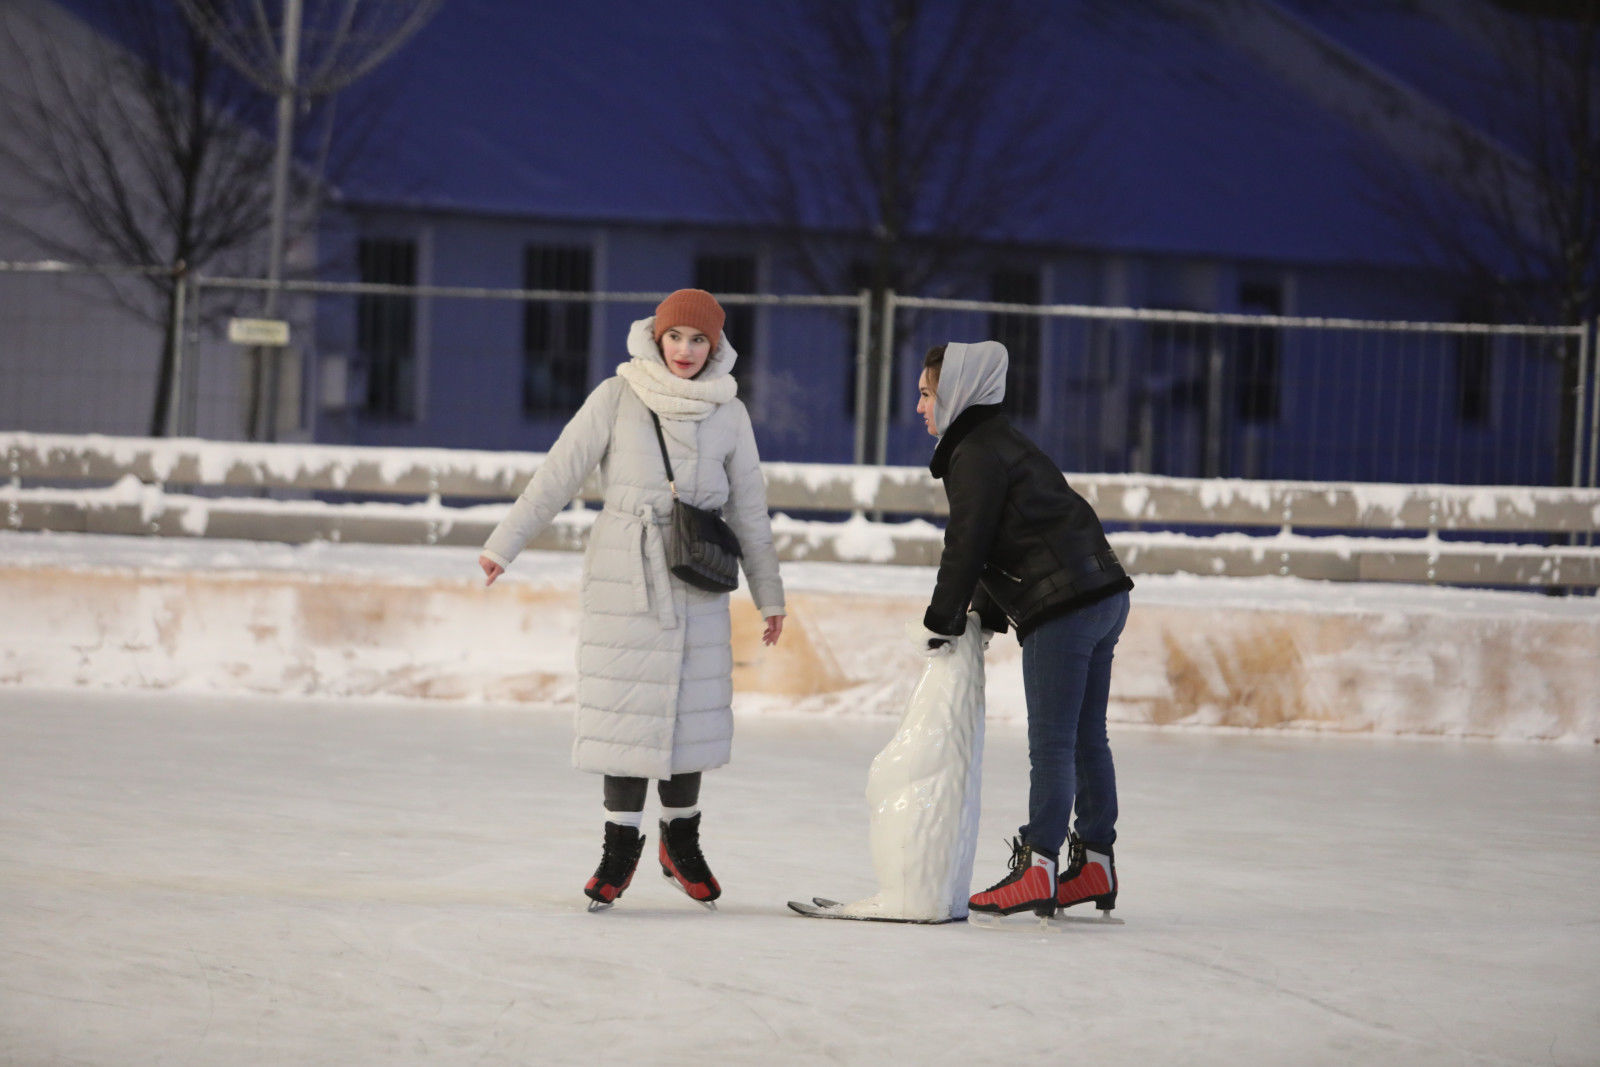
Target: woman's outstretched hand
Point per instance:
(491, 569)
(774, 630)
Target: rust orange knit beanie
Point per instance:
(691, 307)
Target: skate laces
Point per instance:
(1021, 860)
(618, 858)
(1075, 855)
(684, 847)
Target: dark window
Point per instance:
(1021, 334)
(1255, 357)
(555, 333)
(386, 327)
(1473, 367)
(734, 274)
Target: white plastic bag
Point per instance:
(923, 790)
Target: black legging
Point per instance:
(627, 794)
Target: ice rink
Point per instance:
(201, 880)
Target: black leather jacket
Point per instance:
(1021, 546)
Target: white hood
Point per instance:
(971, 374)
(642, 345)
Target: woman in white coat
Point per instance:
(655, 660)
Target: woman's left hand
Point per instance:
(774, 630)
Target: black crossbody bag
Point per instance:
(703, 550)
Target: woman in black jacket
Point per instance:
(1027, 552)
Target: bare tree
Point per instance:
(299, 58)
(888, 139)
(148, 143)
(1497, 185)
(1521, 210)
(1518, 209)
(158, 151)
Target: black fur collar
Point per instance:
(964, 424)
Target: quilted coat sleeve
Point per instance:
(565, 468)
(747, 514)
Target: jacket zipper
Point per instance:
(1003, 610)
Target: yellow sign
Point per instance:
(273, 332)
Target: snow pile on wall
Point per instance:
(369, 620)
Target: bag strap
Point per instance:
(661, 440)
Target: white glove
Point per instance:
(928, 643)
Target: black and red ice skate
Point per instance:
(1091, 874)
(1031, 885)
(682, 863)
(624, 845)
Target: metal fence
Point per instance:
(1190, 394)
(1104, 390)
(486, 367)
(80, 348)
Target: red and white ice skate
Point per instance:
(1091, 875)
(1031, 885)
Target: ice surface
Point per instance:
(193, 880)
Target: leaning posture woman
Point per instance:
(1026, 551)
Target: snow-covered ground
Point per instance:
(220, 879)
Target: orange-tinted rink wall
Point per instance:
(1262, 653)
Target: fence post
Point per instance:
(178, 315)
(192, 349)
(1216, 369)
(863, 372)
(885, 376)
(1594, 407)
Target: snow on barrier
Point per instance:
(416, 622)
(124, 485)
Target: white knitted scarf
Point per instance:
(673, 397)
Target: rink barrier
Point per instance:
(97, 484)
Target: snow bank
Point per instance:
(374, 620)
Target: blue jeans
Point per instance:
(1066, 673)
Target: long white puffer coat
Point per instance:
(655, 660)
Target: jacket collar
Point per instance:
(964, 423)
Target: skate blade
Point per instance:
(600, 905)
(709, 905)
(823, 908)
(1102, 919)
(819, 910)
(1024, 921)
